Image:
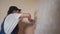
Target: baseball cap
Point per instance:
(14, 8)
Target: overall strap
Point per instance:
(2, 27)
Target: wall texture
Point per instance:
(27, 6)
(48, 20)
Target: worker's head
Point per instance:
(13, 9)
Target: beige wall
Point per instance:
(48, 20)
(27, 6)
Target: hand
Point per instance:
(25, 15)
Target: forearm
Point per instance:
(25, 15)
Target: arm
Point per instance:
(25, 15)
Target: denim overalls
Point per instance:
(2, 28)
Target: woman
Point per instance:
(14, 10)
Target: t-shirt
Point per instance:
(11, 22)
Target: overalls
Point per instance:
(2, 28)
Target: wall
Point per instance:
(27, 6)
(48, 20)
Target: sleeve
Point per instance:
(10, 22)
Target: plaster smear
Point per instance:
(48, 17)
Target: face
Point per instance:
(16, 11)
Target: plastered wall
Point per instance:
(48, 20)
(27, 6)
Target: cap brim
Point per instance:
(19, 9)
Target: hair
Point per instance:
(11, 9)
(9, 12)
